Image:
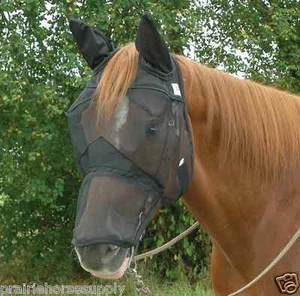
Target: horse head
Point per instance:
(130, 132)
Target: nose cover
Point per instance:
(134, 163)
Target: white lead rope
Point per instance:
(168, 244)
(272, 264)
(194, 226)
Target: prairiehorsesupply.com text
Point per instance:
(46, 289)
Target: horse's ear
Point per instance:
(93, 45)
(151, 46)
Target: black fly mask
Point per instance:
(140, 159)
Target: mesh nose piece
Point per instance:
(108, 215)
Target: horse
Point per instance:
(245, 184)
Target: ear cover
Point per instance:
(151, 46)
(93, 45)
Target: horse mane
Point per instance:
(258, 126)
(118, 76)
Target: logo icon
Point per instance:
(287, 283)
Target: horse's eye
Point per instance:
(151, 130)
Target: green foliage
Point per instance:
(193, 250)
(259, 38)
(38, 176)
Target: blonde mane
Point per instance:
(118, 76)
(259, 126)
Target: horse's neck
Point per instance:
(250, 224)
(242, 217)
(229, 207)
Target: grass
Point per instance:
(157, 283)
(179, 288)
(158, 286)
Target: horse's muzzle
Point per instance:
(104, 260)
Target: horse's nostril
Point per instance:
(110, 252)
(113, 248)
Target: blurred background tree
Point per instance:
(261, 39)
(42, 73)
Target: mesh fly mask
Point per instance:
(139, 160)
